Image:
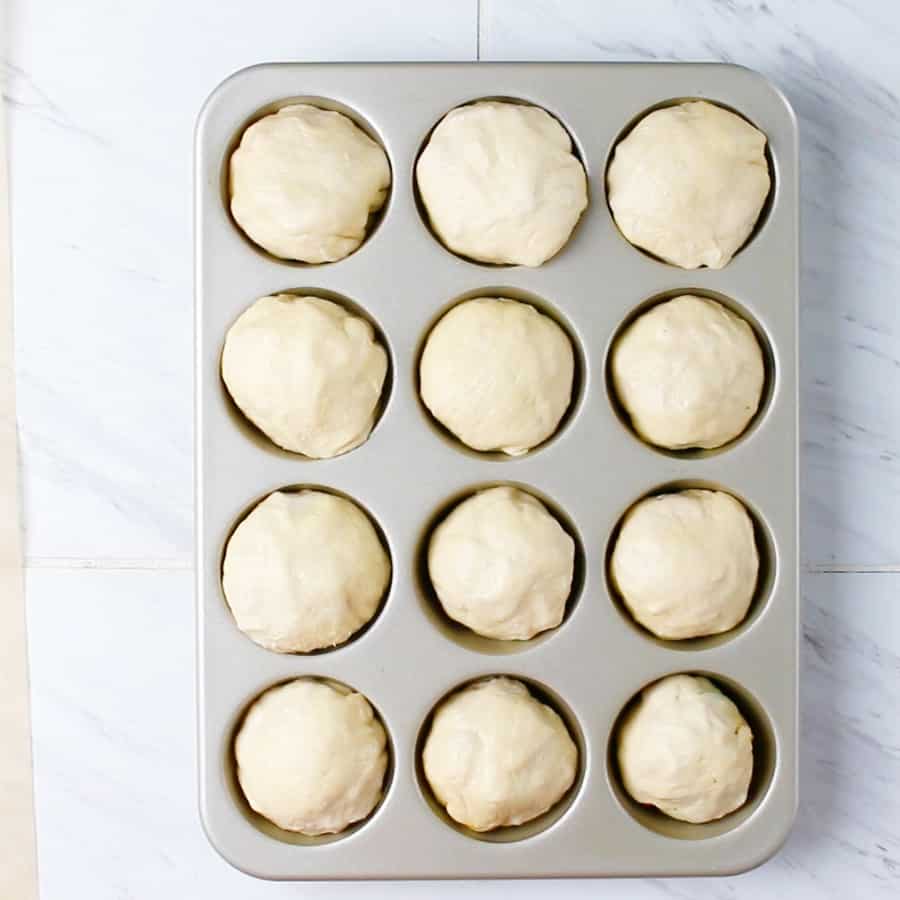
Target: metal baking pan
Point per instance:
(409, 472)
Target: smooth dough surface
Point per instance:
(689, 373)
(304, 181)
(497, 756)
(304, 571)
(502, 565)
(501, 184)
(498, 374)
(686, 749)
(688, 183)
(311, 758)
(306, 372)
(686, 563)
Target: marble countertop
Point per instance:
(101, 98)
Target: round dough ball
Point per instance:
(686, 564)
(498, 374)
(688, 183)
(306, 372)
(686, 749)
(311, 757)
(496, 756)
(502, 565)
(304, 571)
(689, 373)
(304, 181)
(500, 183)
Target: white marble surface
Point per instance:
(101, 97)
(114, 735)
(838, 64)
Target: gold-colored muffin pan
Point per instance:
(410, 472)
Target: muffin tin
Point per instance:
(410, 472)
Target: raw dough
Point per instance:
(311, 757)
(304, 571)
(686, 749)
(306, 372)
(501, 184)
(688, 184)
(497, 756)
(304, 182)
(502, 565)
(689, 373)
(686, 563)
(498, 374)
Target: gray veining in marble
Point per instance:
(839, 66)
(101, 98)
(116, 779)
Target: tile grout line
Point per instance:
(67, 563)
(478, 29)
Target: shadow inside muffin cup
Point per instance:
(764, 764)
(579, 374)
(375, 218)
(510, 833)
(766, 396)
(255, 434)
(765, 580)
(459, 633)
(576, 150)
(764, 213)
(382, 539)
(269, 828)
